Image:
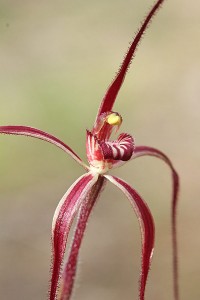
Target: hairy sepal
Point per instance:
(84, 212)
(42, 135)
(111, 94)
(150, 151)
(62, 220)
(146, 226)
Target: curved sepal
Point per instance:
(146, 225)
(39, 134)
(145, 150)
(62, 220)
(111, 94)
(69, 272)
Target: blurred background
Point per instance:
(57, 59)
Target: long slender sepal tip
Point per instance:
(112, 92)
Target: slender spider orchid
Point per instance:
(103, 154)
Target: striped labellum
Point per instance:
(121, 149)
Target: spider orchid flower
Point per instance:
(103, 155)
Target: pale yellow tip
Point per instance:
(114, 119)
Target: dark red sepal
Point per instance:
(150, 151)
(111, 94)
(62, 221)
(146, 226)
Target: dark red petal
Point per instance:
(121, 149)
(63, 218)
(144, 150)
(146, 225)
(69, 272)
(111, 94)
(36, 133)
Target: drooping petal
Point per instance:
(121, 149)
(111, 94)
(146, 225)
(145, 150)
(69, 272)
(36, 133)
(63, 218)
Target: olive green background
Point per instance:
(56, 60)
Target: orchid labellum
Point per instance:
(103, 155)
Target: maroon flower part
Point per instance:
(121, 149)
(103, 154)
(146, 225)
(63, 218)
